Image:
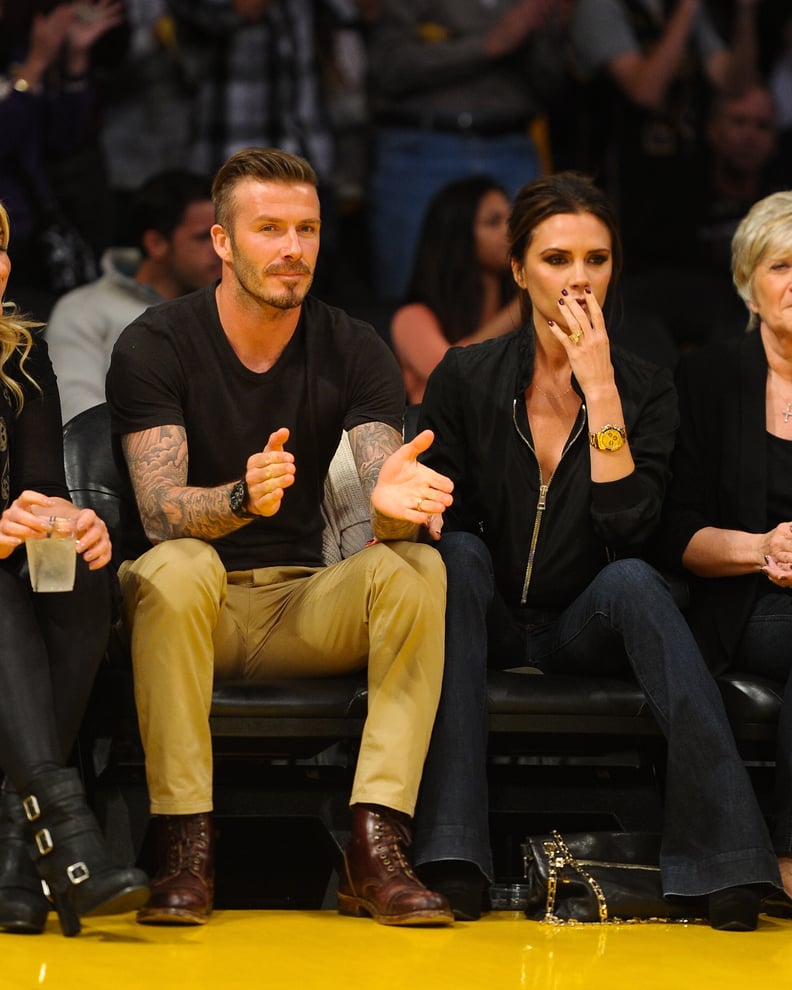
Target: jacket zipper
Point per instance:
(543, 489)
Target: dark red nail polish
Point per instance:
(587, 289)
(564, 292)
(560, 302)
(550, 323)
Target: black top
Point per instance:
(174, 366)
(474, 402)
(31, 442)
(720, 479)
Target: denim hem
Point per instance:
(782, 834)
(452, 843)
(755, 866)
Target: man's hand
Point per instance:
(409, 491)
(269, 473)
(521, 21)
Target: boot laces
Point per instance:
(391, 837)
(188, 845)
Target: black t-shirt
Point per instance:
(174, 366)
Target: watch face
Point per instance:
(610, 439)
(238, 497)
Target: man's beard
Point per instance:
(289, 296)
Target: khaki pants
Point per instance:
(191, 622)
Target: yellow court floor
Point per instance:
(304, 950)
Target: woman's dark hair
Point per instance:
(564, 192)
(445, 266)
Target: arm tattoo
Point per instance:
(169, 509)
(371, 444)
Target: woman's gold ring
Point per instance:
(575, 337)
(418, 505)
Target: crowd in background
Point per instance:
(390, 101)
(443, 143)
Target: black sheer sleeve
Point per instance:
(36, 434)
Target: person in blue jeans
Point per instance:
(558, 444)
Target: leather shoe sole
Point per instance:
(359, 907)
(171, 916)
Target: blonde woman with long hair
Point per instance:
(50, 646)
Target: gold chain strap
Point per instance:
(557, 860)
(559, 856)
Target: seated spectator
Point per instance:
(170, 222)
(256, 80)
(144, 92)
(455, 87)
(558, 445)
(46, 105)
(729, 517)
(52, 644)
(781, 87)
(229, 405)
(691, 292)
(460, 287)
(647, 68)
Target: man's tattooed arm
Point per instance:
(169, 509)
(371, 444)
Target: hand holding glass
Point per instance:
(52, 560)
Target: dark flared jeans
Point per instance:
(766, 649)
(714, 835)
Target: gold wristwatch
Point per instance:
(610, 437)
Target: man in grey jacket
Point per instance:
(169, 222)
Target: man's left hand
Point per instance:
(410, 491)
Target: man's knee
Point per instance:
(409, 575)
(178, 574)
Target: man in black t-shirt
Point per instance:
(228, 405)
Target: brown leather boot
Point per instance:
(183, 889)
(378, 880)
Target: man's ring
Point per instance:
(418, 505)
(575, 337)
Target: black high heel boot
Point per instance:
(71, 855)
(23, 906)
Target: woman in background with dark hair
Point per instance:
(460, 289)
(558, 444)
(47, 106)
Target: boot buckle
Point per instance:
(78, 873)
(44, 842)
(31, 806)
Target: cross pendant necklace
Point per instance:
(787, 413)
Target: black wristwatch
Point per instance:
(238, 500)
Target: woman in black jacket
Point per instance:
(558, 445)
(51, 644)
(729, 518)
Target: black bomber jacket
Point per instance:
(548, 538)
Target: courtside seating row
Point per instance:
(594, 729)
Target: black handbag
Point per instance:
(597, 877)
